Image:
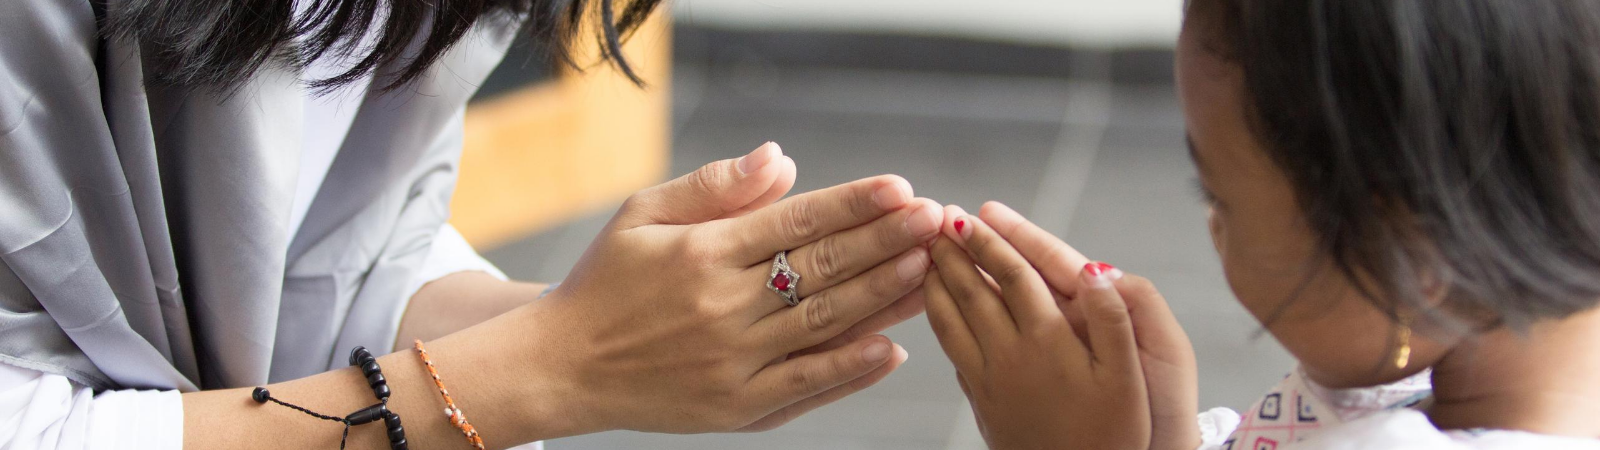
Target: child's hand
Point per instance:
(1035, 378)
(1165, 353)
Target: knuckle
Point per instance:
(768, 423)
(885, 286)
(805, 380)
(945, 250)
(1055, 254)
(849, 335)
(819, 314)
(633, 201)
(962, 292)
(1048, 332)
(727, 379)
(892, 236)
(725, 419)
(1109, 310)
(863, 202)
(1137, 285)
(713, 311)
(641, 202)
(798, 222)
(705, 179)
(700, 250)
(1012, 275)
(724, 394)
(827, 259)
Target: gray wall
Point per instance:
(1085, 23)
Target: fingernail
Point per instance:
(962, 228)
(923, 222)
(1100, 275)
(1001, 210)
(759, 157)
(892, 196)
(876, 352)
(914, 266)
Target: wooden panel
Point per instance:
(549, 152)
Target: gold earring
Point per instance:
(1402, 353)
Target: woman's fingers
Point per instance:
(979, 305)
(712, 191)
(843, 255)
(901, 310)
(797, 379)
(787, 172)
(1056, 261)
(788, 413)
(1025, 293)
(808, 217)
(1111, 336)
(828, 313)
(955, 337)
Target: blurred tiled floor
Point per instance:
(1088, 144)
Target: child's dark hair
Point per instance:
(1448, 147)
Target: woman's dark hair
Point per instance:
(220, 43)
(1435, 147)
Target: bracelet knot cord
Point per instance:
(359, 357)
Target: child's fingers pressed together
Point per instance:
(1056, 261)
(955, 337)
(978, 304)
(1110, 330)
(1025, 293)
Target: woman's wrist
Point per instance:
(517, 383)
(502, 354)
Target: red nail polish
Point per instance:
(960, 224)
(1096, 269)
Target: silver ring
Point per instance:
(783, 280)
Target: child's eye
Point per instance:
(1204, 194)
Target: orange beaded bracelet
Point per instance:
(457, 418)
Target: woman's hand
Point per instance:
(666, 323)
(1049, 370)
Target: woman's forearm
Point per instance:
(493, 371)
(458, 301)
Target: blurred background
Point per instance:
(1063, 109)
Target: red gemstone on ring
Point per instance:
(781, 282)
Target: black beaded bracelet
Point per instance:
(362, 358)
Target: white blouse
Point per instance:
(45, 411)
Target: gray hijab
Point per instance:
(143, 228)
